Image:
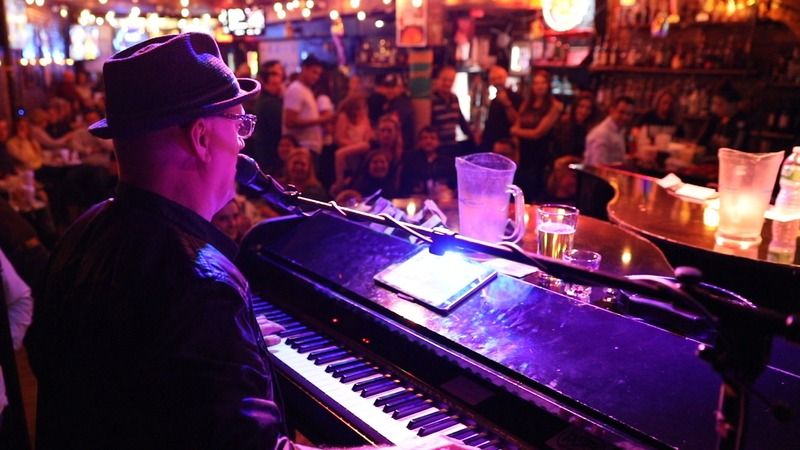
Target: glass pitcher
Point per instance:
(484, 183)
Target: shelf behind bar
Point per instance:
(676, 72)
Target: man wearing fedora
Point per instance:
(145, 336)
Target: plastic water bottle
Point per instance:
(784, 234)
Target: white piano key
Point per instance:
(394, 431)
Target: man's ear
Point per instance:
(199, 139)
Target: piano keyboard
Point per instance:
(387, 405)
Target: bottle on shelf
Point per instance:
(783, 245)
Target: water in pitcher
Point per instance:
(483, 217)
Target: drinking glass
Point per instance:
(555, 229)
(586, 259)
(745, 185)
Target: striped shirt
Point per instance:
(446, 116)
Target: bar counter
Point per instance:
(684, 230)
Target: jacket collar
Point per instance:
(182, 217)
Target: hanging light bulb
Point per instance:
(361, 15)
(379, 23)
(277, 7)
(306, 13)
(184, 12)
(334, 14)
(309, 4)
(63, 12)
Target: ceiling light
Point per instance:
(379, 23)
(306, 13)
(185, 12)
(361, 15)
(334, 14)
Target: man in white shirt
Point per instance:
(605, 144)
(301, 115)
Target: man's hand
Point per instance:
(269, 330)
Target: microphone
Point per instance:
(248, 174)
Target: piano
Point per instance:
(514, 366)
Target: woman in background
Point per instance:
(352, 136)
(300, 173)
(537, 117)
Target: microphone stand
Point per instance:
(740, 353)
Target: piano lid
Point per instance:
(607, 367)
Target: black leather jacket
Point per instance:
(145, 337)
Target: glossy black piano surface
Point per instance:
(632, 383)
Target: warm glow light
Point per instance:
(361, 15)
(355, 4)
(135, 11)
(277, 7)
(39, 2)
(730, 8)
(182, 23)
(416, 3)
(386, 2)
(306, 13)
(710, 217)
(70, 61)
(100, 21)
(23, 62)
(281, 14)
(185, 3)
(206, 17)
(110, 16)
(63, 12)
(30, 2)
(627, 3)
(334, 14)
(184, 12)
(411, 209)
(379, 23)
(309, 4)
(563, 15)
(289, 6)
(103, 2)
(626, 257)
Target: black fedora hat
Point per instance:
(165, 81)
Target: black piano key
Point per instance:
(360, 375)
(491, 445)
(300, 340)
(300, 335)
(369, 383)
(353, 369)
(380, 401)
(437, 426)
(426, 419)
(277, 317)
(325, 352)
(379, 389)
(401, 401)
(466, 433)
(314, 345)
(475, 441)
(343, 365)
(331, 358)
(293, 331)
(405, 411)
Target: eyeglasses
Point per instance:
(247, 123)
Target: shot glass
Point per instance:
(586, 259)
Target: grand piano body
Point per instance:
(516, 365)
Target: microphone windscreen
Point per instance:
(246, 170)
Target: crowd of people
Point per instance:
(53, 167)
